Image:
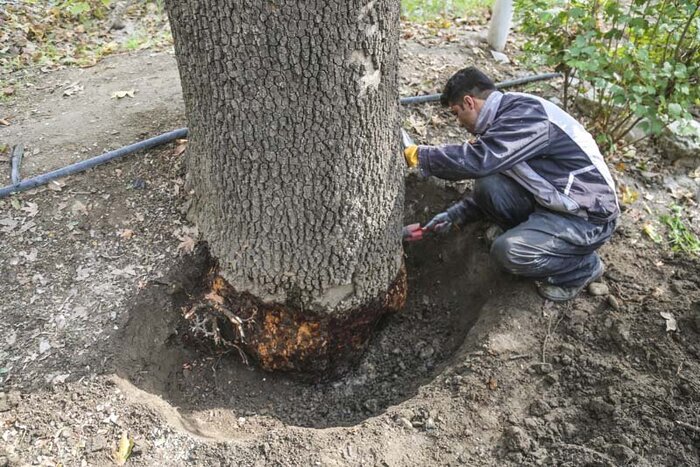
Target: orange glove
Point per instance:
(411, 156)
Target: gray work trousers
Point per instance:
(553, 247)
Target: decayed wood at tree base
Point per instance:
(283, 337)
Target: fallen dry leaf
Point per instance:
(83, 273)
(123, 94)
(629, 196)
(695, 175)
(26, 226)
(418, 126)
(123, 451)
(126, 234)
(9, 224)
(186, 245)
(492, 384)
(56, 186)
(651, 232)
(671, 324)
(31, 209)
(437, 121)
(180, 148)
(78, 208)
(31, 256)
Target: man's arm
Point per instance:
(516, 135)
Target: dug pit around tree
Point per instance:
(449, 280)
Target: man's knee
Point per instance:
(516, 256)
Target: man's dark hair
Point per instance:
(468, 81)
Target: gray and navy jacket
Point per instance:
(539, 146)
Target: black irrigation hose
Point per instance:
(501, 85)
(92, 162)
(43, 179)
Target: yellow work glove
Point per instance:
(411, 156)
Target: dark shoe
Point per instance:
(558, 293)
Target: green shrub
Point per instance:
(84, 9)
(424, 10)
(640, 59)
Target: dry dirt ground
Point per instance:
(477, 370)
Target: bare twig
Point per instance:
(518, 357)
(550, 330)
(688, 426)
(680, 367)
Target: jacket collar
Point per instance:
(488, 112)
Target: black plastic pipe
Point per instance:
(92, 162)
(501, 85)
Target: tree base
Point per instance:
(280, 337)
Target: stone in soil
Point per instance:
(614, 303)
(540, 408)
(406, 423)
(620, 332)
(516, 439)
(622, 453)
(601, 409)
(598, 288)
(681, 145)
(543, 368)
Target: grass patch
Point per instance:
(681, 238)
(427, 10)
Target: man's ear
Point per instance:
(468, 101)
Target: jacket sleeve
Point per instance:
(517, 134)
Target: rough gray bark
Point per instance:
(293, 151)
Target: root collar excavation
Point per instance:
(282, 337)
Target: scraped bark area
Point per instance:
(293, 152)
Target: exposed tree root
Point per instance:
(282, 337)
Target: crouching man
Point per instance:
(539, 176)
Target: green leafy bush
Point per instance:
(638, 60)
(82, 9)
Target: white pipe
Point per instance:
(500, 24)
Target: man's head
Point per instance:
(465, 94)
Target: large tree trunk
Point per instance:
(294, 164)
